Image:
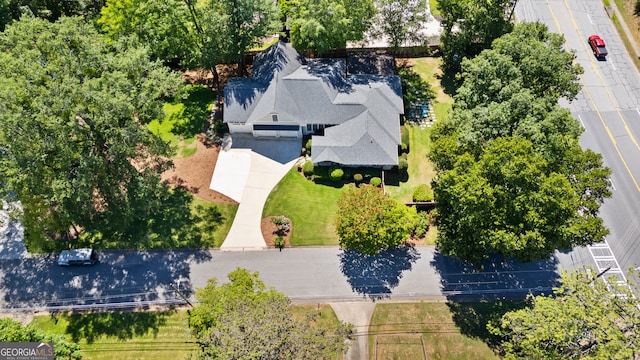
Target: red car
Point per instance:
(597, 45)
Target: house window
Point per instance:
(274, 117)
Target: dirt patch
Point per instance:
(195, 172)
(205, 77)
(270, 231)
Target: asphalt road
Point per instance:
(124, 279)
(608, 109)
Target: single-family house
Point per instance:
(354, 119)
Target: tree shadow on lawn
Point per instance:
(472, 318)
(376, 276)
(193, 119)
(121, 325)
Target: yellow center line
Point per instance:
(597, 72)
(595, 106)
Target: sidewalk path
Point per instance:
(263, 175)
(359, 315)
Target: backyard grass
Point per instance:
(124, 335)
(185, 117)
(310, 206)
(420, 168)
(400, 325)
(433, 7)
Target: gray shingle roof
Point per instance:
(365, 109)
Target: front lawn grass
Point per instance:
(310, 206)
(153, 335)
(186, 116)
(215, 229)
(124, 335)
(442, 336)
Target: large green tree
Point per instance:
(13, 331)
(73, 145)
(469, 26)
(511, 92)
(585, 318)
(529, 57)
(509, 201)
(242, 319)
(318, 26)
(244, 24)
(369, 221)
(11, 10)
(401, 21)
(165, 26)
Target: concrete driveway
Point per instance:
(249, 170)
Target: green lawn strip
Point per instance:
(185, 117)
(216, 231)
(124, 335)
(311, 208)
(443, 337)
(420, 169)
(326, 316)
(626, 8)
(433, 7)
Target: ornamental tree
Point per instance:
(369, 221)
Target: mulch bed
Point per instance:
(270, 231)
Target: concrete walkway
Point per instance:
(263, 175)
(359, 315)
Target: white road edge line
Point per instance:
(582, 123)
(613, 187)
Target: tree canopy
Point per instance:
(73, 145)
(243, 319)
(163, 25)
(507, 106)
(12, 331)
(469, 26)
(585, 318)
(321, 25)
(509, 201)
(369, 221)
(401, 21)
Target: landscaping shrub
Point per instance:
(336, 173)
(278, 242)
(307, 146)
(404, 137)
(375, 181)
(307, 168)
(403, 163)
(422, 224)
(357, 177)
(423, 193)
